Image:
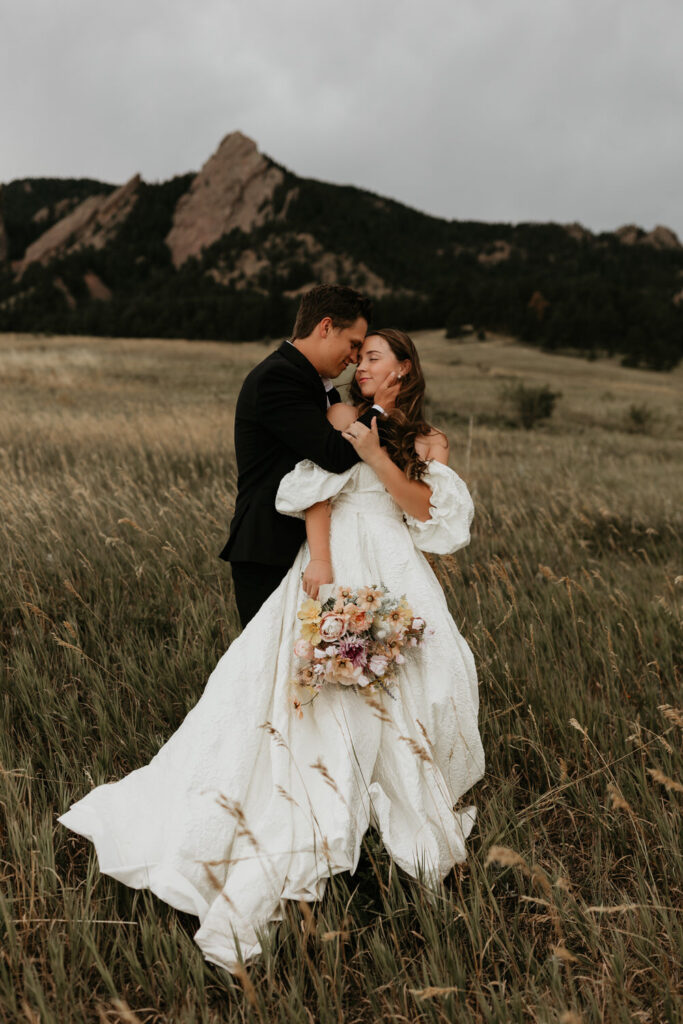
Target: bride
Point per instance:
(255, 800)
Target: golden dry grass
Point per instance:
(117, 483)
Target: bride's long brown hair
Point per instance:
(407, 420)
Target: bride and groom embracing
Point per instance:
(270, 783)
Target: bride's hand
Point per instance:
(364, 440)
(317, 572)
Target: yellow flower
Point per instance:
(310, 610)
(310, 632)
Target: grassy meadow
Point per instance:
(117, 482)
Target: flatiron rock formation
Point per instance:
(233, 190)
(92, 223)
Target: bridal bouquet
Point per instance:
(355, 638)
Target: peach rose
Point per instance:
(359, 622)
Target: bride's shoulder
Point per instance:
(341, 415)
(433, 445)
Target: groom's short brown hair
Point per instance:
(343, 306)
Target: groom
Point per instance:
(279, 420)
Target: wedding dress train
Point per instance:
(247, 804)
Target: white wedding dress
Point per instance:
(247, 805)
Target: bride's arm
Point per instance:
(412, 495)
(319, 569)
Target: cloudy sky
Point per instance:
(473, 109)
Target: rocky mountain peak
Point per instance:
(659, 238)
(663, 238)
(92, 222)
(234, 189)
(577, 231)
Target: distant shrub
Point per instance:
(531, 404)
(640, 418)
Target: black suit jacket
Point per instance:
(279, 420)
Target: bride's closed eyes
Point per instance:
(377, 361)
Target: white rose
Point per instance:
(332, 626)
(378, 664)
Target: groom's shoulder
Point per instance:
(275, 366)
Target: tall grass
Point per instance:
(117, 480)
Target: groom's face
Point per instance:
(342, 346)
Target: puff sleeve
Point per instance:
(306, 484)
(451, 513)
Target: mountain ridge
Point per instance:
(226, 251)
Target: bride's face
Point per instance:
(376, 362)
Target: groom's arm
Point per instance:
(289, 412)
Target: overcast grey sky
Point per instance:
(474, 109)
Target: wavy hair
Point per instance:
(406, 421)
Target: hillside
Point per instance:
(224, 253)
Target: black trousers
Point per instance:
(254, 583)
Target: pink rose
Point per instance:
(417, 624)
(332, 626)
(303, 649)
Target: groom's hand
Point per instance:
(387, 392)
(316, 574)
